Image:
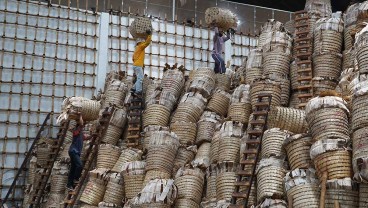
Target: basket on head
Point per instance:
(139, 27)
(222, 18)
(88, 109)
(297, 147)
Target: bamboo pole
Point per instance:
(323, 190)
(337, 204)
(76, 61)
(95, 44)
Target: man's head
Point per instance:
(221, 34)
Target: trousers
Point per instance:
(75, 168)
(138, 85)
(219, 63)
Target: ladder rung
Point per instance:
(307, 78)
(304, 62)
(242, 183)
(250, 151)
(257, 122)
(133, 137)
(302, 25)
(236, 206)
(302, 105)
(305, 95)
(260, 113)
(297, 40)
(303, 54)
(134, 121)
(239, 195)
(248, 162)
(304, 70)
(303, 46)
(134, 129)
(255, 132)
(261, 104)
(253, 141)
(244, 173)
(135, 107)
(304, 87)
(261, 95)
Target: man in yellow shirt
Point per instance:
(138, 62)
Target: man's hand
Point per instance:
(149, 32)
(80, 119)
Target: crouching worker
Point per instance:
(138, 62)
(75, 151)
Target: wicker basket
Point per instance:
(43, 153)
(204, 81)
(348, 40)
(162, 97)
(294, 76)
(297, 147)
(151, 88)
(184, 156)
(114, 190)
(148, 132)
(318, 8)
(156, 114)
(219, 103)
(107, 156)
(222, 18)
(287, 118)
(89, 109)
(228, 150)
(160, 193)
(186, 131)
(348, 59)
(272, 142)
(254, 67)
(336, 163)
(359, 112)
(215, 142)
(223, 82)
(115, 94)
(139, 27)
(285, 87)
(184, 203)
(155, 174)
(232, 129)
(173, 81)
(116, 127)
(206, 127)
(301, 186)
(328, 35)
(211, 175)
(267, 27)
(133, 173)
(225, 180)
(59, 178)
(327, 117)
(278, 41)
(294, 100)
(276, 63)
(327, 65)
(127, 155)
(321, 84)
(343, 191)
(190, 108)
(190, 184)
(240, 112)
(162, 150)
(202, 158)
(360, 153)
(266, 86)
(270, 175)
(95, 189)
(363, 195)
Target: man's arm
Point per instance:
(227, 36)
(148, 40)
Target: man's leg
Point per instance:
(71, 171)
(217, 63)
(222, 65)
(138, 84)
(77, 166)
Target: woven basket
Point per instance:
(219, 103)
(148, 132)
(116, 127)
(276, 63)
(156, 114)
(58, 183)
(240, 112)
(211, 176)
(202, 158)
(272, 142)
(94, 191)
(114, 190)
(162, 97)
(186, 131)
(228, 150)
(359, 112)
(360, 152)
(287, 118)
(206, 127)
(190, 184)
(297, 148)
(225, 180)
(151, 88)
(278, 41)
(162, 150)
(348, 59)
(115, 94)
(345, 198)
(306, 195)
(43, 153)
(107, 156)
(190, 108)
(266, 86)
(336, 163)
(294, 100)
(173, 81)
(133, 173)
(253, 74)
(294, 76)
(223, 82)
(363, 195)
(270, 180)
(222, 18)
(267, 27)
(361, 56)
(327, 65)
(254, 67)
(348, 40)
(327, 39)
(204, 81)
(139, 27)
(89, 109)
(155, 174)
(127, 155)
(285, 87)
(184, 156)
(215, 142)
(321, 84)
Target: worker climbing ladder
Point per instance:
(135, 111)
(304, 49)
(90, 155)
(40, 185)
(246, 173)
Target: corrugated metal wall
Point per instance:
(49, 52)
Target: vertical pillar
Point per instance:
(103, 45)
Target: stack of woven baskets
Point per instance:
(203, 81)
(133, 174)
(288, 119)
(116, 127)
(190, 108)
(266, 86)
(115, 94)
(343, 191)
(328, 38)
(267, 28)
(107, 156)
(158, 108)
(127, 155)
(225, 180)
(240, 107)
(95, 189)
(173, 81)
(114, 194)
(59, 177)
(190, 184)
(206, 127)
(219, 102)
(272, 143)
(254, 67)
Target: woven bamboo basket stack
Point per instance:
(173, 81)
(289, 119)
(302, 186)
(268, 27)
(133, 174)
(158, 108)
(223, 81)
(114, 194)
(229, 142)
(204, 81)
(254, 67)
(115, 94)
(270, 175)
(148, 132)
(107, 156)
(184, 156)
(225, 180)
(222, 18)
(95, 188)
(190, 184)
(350, 20)
(297, 147)
(139, 27)
(190, 108)
(277, 41)
(88, 109)
(318, 8)
(361, 42)
(240, 105)
(160, 193)
(219, 102)
(266, 86)
(162, 149)
(116, 127)
(272, 143)
(59, 177)
(206, 126)
(344, 191)
(127, 155)
(185, 131)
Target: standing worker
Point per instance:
(138, 62)
(218, 41)
(75, 151)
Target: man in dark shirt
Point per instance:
(75, 151)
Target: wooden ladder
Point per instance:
(39, 187)
(304, 51)
(91, 154)
(25, 162)
(135, 111)
(246, 174)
